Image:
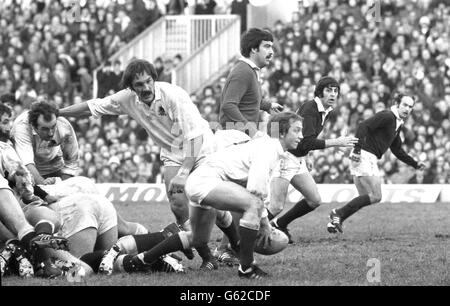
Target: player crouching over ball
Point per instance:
(236, 179)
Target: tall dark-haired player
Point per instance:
(293, 167)
(376, 135)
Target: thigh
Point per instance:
(169, 173)
(230, 196)
(106, 240)
(368, 185)
(305, 183)
(83, 242)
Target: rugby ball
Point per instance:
(276, 243)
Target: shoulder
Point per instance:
(241, 68)
(124, 96)
(308, 108)
(170, 91)
(22, 118)
(5, 146)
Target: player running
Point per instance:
(376, 135)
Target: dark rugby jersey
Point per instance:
(378, 133)
(312, 126)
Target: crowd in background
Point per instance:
(45, 54)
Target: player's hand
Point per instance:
(177, 184)
(276, 107)
(421, 165)
(355, 157)
(347, 141)
(264, 232)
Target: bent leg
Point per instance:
(278, 192)
(178, 202)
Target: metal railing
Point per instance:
(210, 61)
(171, 35)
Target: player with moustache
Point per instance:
(376, 135)
(171, 120)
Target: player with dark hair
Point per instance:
(376, 135)
(242, 99)
(293, 167)
(242, 96)
(171, 120)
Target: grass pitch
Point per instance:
(409, 241)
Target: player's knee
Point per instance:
(314, 201)
(375, 198)
(251, 217)
(223, 219)
(179, 206)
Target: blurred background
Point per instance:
(68, 51)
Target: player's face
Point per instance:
(330, 96)
(5, 126)
(46, 129)
(264, 54)
(293, 136)
(405, 107)
(144, 86)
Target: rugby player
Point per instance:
(376, 134)
(171, 120)
(233, 179)
(293, 169)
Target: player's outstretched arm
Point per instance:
(76, 110)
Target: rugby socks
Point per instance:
(44, 227)
(148, 241)
(247, 245)
(204, 252)
(169, 245)
(93, 259)
(353, 206)
(232, 234)
(300, 209)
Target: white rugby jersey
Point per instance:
(58, 154)
(249, 164)
(9, 164)
(172, 120)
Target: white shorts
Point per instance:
(80, 211)
(200, 183)
(212, 143)
(367, 167)
(289, 166)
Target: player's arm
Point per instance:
(310, 141)
(76, 110)
(70, 149)
(184, 113)
(110, 105)
(24, 147)
(397, 150)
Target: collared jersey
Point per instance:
(249, 164)
(58, 154)
(172, 120)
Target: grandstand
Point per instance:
(44, 54)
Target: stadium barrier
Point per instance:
(148, 193)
